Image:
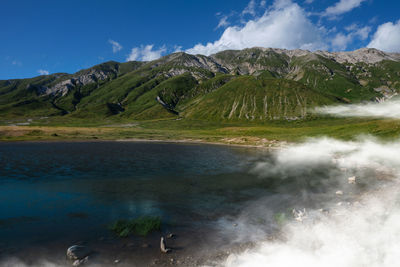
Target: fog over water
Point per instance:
(347, 227)
(356, 224)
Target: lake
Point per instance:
(69, 191)
(55, 194)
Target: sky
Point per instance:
(46, 36)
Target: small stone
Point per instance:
(170, 235)
(339, 192)
(116, 261)
(351, 180)
(77, 252)
(235, 224)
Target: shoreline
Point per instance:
(268, 145)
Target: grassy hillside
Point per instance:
(256, 98)
(254, 84)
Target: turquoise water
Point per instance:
(74, 190)
(55, 194)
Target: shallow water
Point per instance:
(74, 190)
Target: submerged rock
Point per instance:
(81, 261)
(77, 252)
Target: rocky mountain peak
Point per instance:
(365, 55)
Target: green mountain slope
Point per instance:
(251, 98)
(252, 84)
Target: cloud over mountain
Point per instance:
(43, 72)
(387, 37)
(285, 25)
(146, 53)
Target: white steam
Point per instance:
(361, 230)
(357, 236)
(387, 109)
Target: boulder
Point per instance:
(77, 252)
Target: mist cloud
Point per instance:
(387, 109)
(360, 230)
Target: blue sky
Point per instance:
(39, 37)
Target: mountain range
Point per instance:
(233, 85)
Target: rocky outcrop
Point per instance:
(365, 55)
(182, 59)
(62, 88)
(248, 61)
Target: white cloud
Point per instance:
(341, 40)
(281, 3)
(387, 37)
(43, 72)
(342, 6)
(387, 109)
(363, 33)
(177, 48)
(115, 46)
(145, 53)
(308, 1)
(223, 22)
(284, 25)
(263, 3)
(250, 8)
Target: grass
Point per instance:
(260, 134)
(140, 226)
